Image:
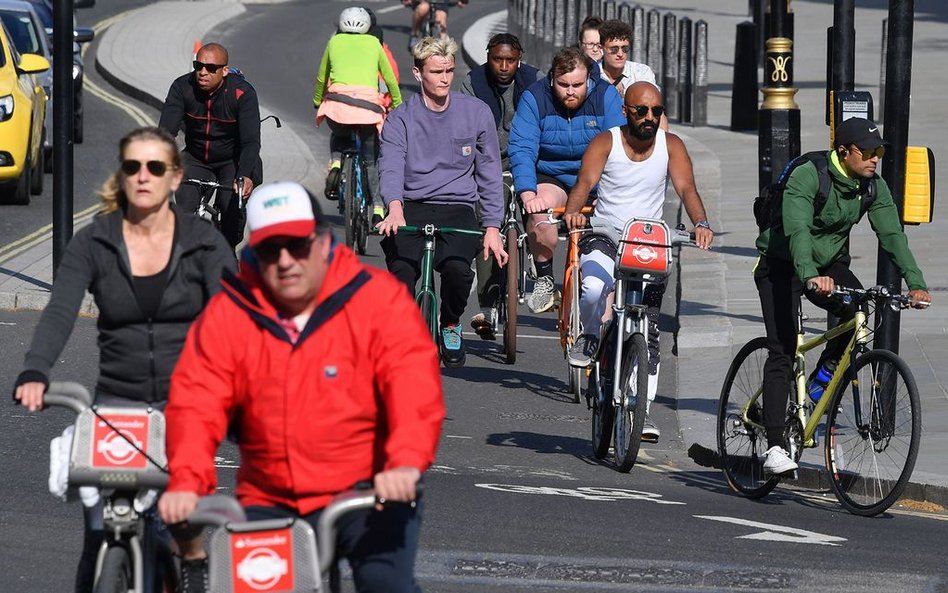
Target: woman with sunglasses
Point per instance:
(150, 269)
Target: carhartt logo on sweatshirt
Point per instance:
(331, 372)
(466, 151)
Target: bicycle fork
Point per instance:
(427, 279)
(629, 320)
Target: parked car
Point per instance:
(44, 9)
(22, 116)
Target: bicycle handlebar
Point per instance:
(68, 394)
(862, 295)
(205, 184)
(431, 229)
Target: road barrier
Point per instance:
(676, 49)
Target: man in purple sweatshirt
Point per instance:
(440, 164)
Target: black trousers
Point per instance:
(453, 254)
(780, 290)
(188, 197)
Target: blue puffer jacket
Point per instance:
(547, 138)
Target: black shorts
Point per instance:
(544, 178)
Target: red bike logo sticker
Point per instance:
(114, 450)
(262, 561)
(645, 253)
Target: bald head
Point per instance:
(643, 110)
(642, 93)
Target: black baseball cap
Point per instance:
(861, 132)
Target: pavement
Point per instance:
(144, 49)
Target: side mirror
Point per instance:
(919, 198)
(32, 64)
(83, 4)
(83, 34)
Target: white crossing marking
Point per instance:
(779, 533)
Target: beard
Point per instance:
(644, 131)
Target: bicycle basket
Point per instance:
(273, 555)
(103, 457)
(645, 250)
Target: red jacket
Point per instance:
(359, 392)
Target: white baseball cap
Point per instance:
(283, 208)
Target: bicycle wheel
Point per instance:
(572, 307)
(363, 213)
(511, 296)
(630, 414)
(352, 214)
(599, 393)
(116, 574)
(873, 432)
(743, 444)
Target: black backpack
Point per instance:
(768, 206)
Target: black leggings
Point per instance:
(780, 289)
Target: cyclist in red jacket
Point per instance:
(295, 354)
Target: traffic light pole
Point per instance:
(63, 126)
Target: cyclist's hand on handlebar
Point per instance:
(821, 285)
(399, 484)
(494, 244)
(30, 395)
(396, 218)
(575, 220)
(532, 202)
(174, 507)
(703, 237)
(248, 187)
(920, 298)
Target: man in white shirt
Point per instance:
(616, 67)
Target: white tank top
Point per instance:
(630, 189)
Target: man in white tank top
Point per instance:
(632, 165)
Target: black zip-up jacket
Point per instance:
(136, 354)
(219, 126)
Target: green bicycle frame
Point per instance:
(860, 336)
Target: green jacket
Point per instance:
(813, 243)
(356, 60)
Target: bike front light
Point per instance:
(6, 107)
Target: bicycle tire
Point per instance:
(630, 416)
(575, 374)
(511, 296)
(870, 460)
(364, 222)
(600, 398)
(742, 445)
(429, 312)
(350, 216)
(116, 574)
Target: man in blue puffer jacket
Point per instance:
(556, 119)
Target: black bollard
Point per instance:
(670, 74)
(744, 91)
(700, 115)
(685, 61)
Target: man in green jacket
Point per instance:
(811, 248)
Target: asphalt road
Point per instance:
(515, 500)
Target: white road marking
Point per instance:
(456, 436)
(778, 533)
(584, 492)
(388, 9)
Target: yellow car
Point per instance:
(22, 114)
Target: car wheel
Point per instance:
(36, 175)
(21, 195)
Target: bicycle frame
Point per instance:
(630, 319)
(511, 222)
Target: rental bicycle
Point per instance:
(284, 555)
(355, 207)
(871, 404)
(568, 309)
(121, 451)
(618, 379)
(425, 295)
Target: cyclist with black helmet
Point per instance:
(347, 96)
(420, 10)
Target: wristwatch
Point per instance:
(704, 224)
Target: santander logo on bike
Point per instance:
(118, 445)
(262, 561)
(645, 253)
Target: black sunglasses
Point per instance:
(298, 248)
(212, 68)
(156, 168)
(641, 110)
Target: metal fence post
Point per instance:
(684, 70)
(885, 49)
(670, 74)
(701, 74)
(638, 34)
(654, 41)
(609, 10)
(744, 85)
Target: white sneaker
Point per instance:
(543, 295)
(650, 432)
(778, 461)
(484, 323)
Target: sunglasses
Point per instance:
(156, 168)
(641, 111)
(211, 68)
(269, 251)
(878, 151)
(623, 49)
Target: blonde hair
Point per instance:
(429, 46)
(111, 193)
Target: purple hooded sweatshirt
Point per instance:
(446, 157)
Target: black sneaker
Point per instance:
(452, 346)
(332, 184)
(194, 576)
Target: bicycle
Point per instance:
(618, 380)
(567, 321)
(873, 414)
(425, 294)
(205, 211)
(514, 280)
(121, 450)
(430, 26)
(354, 207)
(276, 554)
